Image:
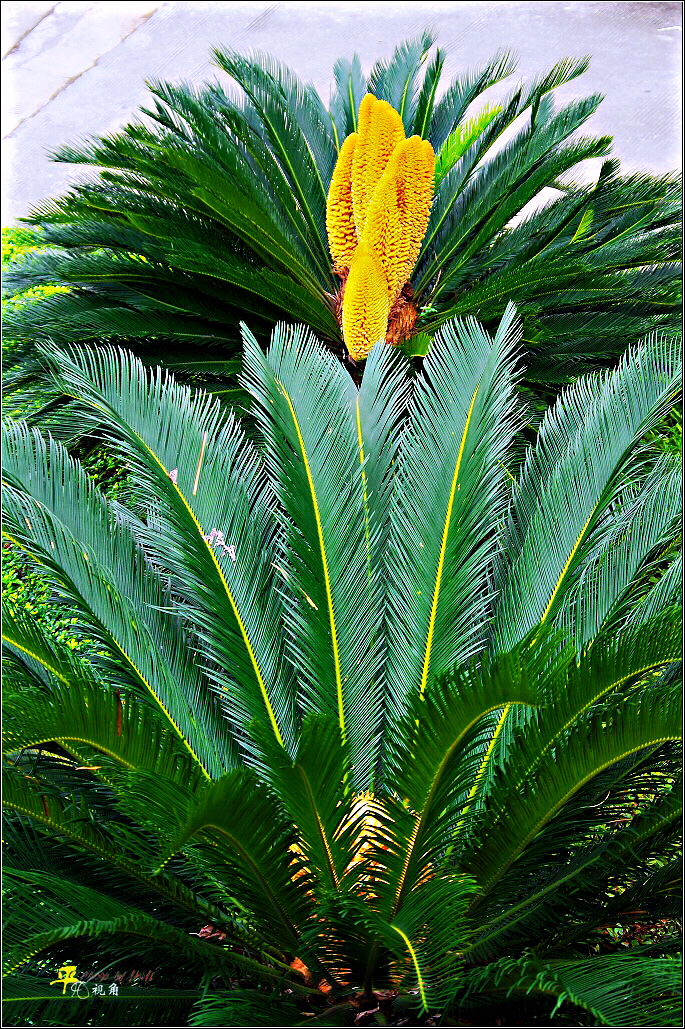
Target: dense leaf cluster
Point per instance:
(388, 704)
(212, 208)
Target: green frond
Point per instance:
(62, 919)
(425, 100)
(576, 896)
(310, 787)
(473, 213)
(571, 478)
(306, 411)
(609, 664)
(433, 927)
(53, 510)
(515, 834)
(665, 592)
(199, 477)
(350, 87)
(434, 758)
(254, 842)
(243, 1007)
(89, 845)
(382, 403)
(629, 988)
(450, 110)
(395, 80)
(460, 139)
(30, 997)
(643, 524)
(450, 483)
(78, 711)
(293, 120)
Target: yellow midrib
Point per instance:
(566, 567)
(412, 954)
(140, 676)
(35, 657)
(324, 562)
(560, 803)
(181, 735)
(366, 499)
(68, 737)
(483, 765)
(229, 594)
(420, 817)
(593, 700)
(443, 550)
(322, 831)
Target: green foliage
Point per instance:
(214, 210)
(337, 742)
(18, 242)
(19, 368)
(26, 591)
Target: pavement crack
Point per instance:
(261, 19)
(23, 36)
(74, 78)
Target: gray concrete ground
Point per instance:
(77, 69)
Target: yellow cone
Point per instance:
(380, 129)
(366, 304)
(342, 235)
(399, 210)
(377, 214)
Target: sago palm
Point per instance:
(213, 208)
(368, 722)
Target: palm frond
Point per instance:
(433, 758)
(616, 989)
(28, 997)
(570, 480)
(200, 477)
(242, 1007)
(60, 518)
(395, 81)
(306, 411)
(310, 788)
(450, 110)
(364, 704)
(294, 121)
(438, 575)
(586, 751)
(350, 87)
(237, 815)
(643, 525)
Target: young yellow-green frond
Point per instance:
(398, 214)
(342, 235)
(380, 130)
(367, 303)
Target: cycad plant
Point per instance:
(373, 725)
(213, 208)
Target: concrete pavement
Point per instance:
(77, 69)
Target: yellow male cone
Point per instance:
(367, 303)
(342, 235)
(377, 214)
(398, 214)
(380, 129)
